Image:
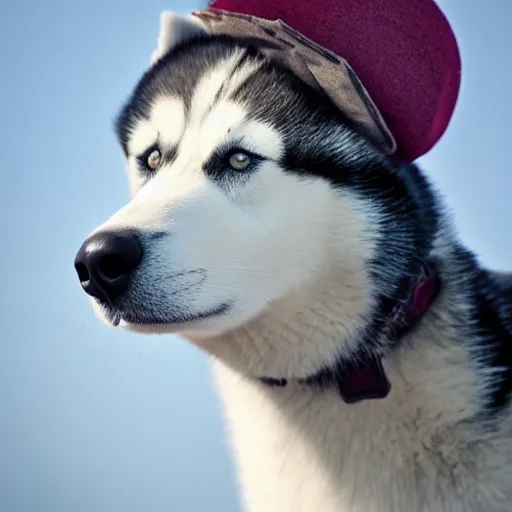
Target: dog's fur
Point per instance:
(288, 267)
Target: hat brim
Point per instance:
(403, 51)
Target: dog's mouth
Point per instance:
(115, 315)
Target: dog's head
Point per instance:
(254, 196)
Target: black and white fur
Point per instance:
(288, 268)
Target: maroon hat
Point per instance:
(403, 51)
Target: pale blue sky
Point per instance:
(98, 420)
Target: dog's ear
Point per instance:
(176, 29)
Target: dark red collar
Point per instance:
(368, 380)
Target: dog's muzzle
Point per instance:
(106, 263)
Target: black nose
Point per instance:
(105, 264)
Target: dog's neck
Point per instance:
(424, 368)
(295, 338)
(362, 376)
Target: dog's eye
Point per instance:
(239, 161)
(153, 160)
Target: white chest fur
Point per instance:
(303, 451)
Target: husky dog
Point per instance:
(363, 355)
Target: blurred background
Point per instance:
(95, 419)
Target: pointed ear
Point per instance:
(175, 29)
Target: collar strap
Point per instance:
(368, 380)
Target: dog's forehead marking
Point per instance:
(143, 135)
(206, 92)
(221, 82)
(216, 119)
(219, 126)
(213, 120)
(262, 138)
(168, 117)
(165, 124)
(228, 123)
